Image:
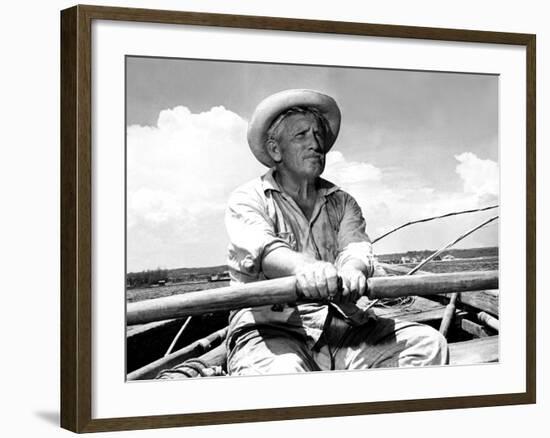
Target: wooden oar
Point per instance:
(448, 315)
(283, 290)
(195, 349)
(489, 320)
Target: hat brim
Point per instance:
(268, 110)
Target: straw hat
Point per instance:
(269, 108)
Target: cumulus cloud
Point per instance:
(344, 172)
(479, 177)
(180, 173)
(394, 196)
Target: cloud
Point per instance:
(394, 196)
(344, 172)
(180, 173)
(479, 177)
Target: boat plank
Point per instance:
(486, 300)
(476, 351)
(475, 329)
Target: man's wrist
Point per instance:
(357, 265)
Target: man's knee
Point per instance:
(271, 355)
(431, 347)
(286, 363)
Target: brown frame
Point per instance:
(76, 238)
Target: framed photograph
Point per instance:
(257, 212)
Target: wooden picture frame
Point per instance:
(76, 217)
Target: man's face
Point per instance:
(301, 145)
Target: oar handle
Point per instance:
(283, 290)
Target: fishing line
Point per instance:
(439, 251)
(455, 213)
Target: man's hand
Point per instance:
(317, 280)
(354, 283)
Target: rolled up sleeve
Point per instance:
(251, 235)
(353, 241)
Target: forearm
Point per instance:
(283, 262)
(357, 255)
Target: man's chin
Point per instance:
(314, 171)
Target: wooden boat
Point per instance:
(465, 305)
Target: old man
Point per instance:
(290, 221)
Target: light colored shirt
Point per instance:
(261, 217)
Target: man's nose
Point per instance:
(315, 144)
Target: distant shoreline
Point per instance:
(487, 251)
(220, 273)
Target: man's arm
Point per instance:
(355, 262)
(251, 233)
(316, 279)
(255, 248)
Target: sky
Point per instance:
(412, 144)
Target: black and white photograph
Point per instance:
(290, 218)
(275, 219)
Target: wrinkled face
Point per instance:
(301, 146)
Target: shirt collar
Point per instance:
(269, 183)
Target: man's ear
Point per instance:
(274, 150)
